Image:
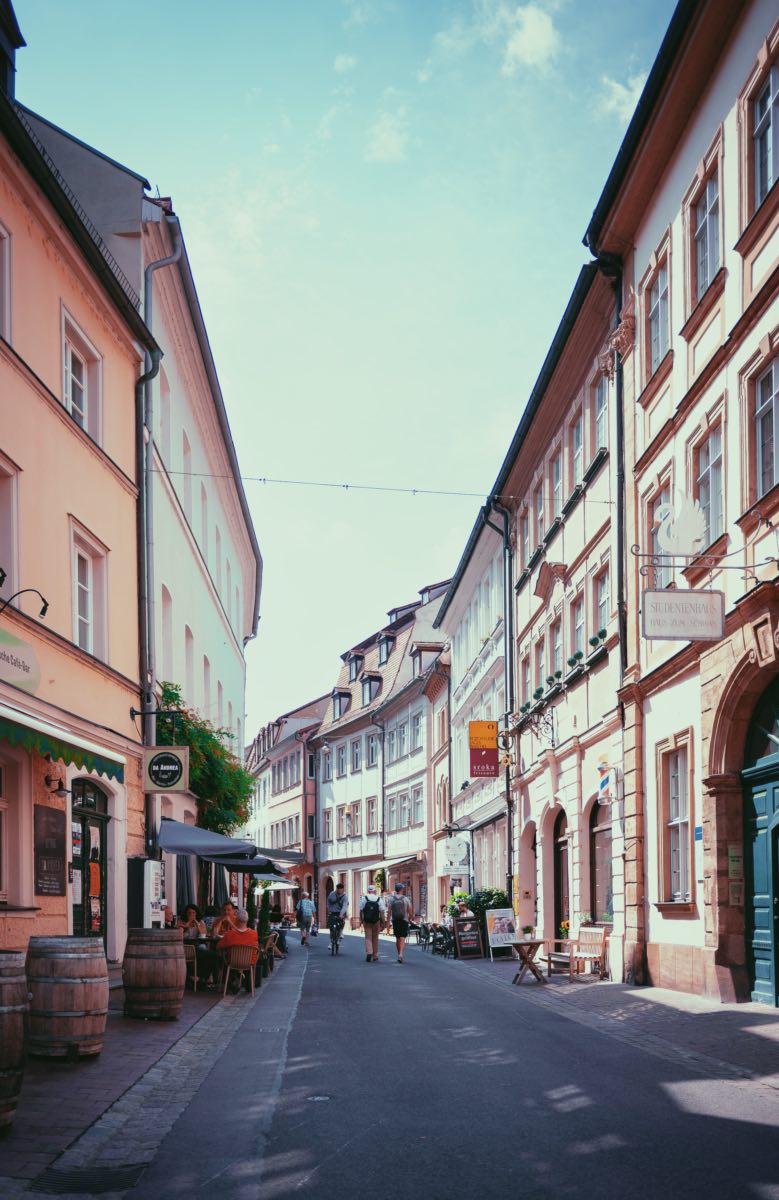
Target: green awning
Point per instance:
(45, 743)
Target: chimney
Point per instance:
(10, 41)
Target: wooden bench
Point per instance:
(589, 946)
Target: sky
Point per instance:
(383, 203)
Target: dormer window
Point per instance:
(385, 649)
(370, 688)
(340, 704)
(355, 666)
(416, 664)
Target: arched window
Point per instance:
(601, 890)
(562, 907)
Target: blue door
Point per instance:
(761, 847)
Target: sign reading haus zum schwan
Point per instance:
(683, 615)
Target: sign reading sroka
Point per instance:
(483, 743)
(683, 615)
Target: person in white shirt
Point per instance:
(373, 913)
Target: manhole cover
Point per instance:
(317, 1099)
(89, 1180)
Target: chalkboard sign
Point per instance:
(49, 827)
(467, 935)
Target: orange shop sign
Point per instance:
(483, 735)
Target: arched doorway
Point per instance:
(90, 855)
(562, 904)
(761, 846)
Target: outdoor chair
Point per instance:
(190, 958)
(424, 936)
(240, 959)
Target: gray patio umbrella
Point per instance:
(221, 894)
(185, 884)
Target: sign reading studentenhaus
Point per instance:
(166, 769)
(683, 615)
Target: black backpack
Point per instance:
(370, 911)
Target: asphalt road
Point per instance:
(352, 1080)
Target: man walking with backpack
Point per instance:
(401, 912)
(305, 909)
(372, 913)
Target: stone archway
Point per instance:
(734, 675)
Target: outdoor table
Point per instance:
(526, 950)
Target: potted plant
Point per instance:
(565, 927)
(527, 931)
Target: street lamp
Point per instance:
(4, 603)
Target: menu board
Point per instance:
(467, 935)
(49, 833)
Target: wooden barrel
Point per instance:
(13, 1006)
(68, 982)
(154, 972)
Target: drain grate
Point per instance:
(89, 1180)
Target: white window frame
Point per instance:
(417, 806)
(9, 526)
(327, 831)
(87, 415)
(86, 547)
(327, 766)
(577, 624)
(392, 814)
(765, 131)
(402, 739)
(556, 642)
(371, 814)
(602, 600)
(577, 449)
(416, 731)
(767, 416)
(340, 760)
(708, 459)
(372, 750)
(657, 316)
(663, 573)
(706, 236)
(678, 824)
(356, 755)
(601, 413)
(557, 484)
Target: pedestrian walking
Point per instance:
(400, 910)
(305, 910)
(372, 913)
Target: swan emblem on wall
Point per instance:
(680, 531)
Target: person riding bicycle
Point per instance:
(337, 906)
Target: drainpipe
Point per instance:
(148, 478)
(147, 693)
(508, 668)
(611, 266)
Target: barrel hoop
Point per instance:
(71, 1012)
(12, 1008)
(68, 979)
(56, 953)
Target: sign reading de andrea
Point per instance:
(166, 769)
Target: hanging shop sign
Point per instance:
(683, 615)
(18, 663)
(483, 744)
(166, 769)
(456, 855)
(49, 837)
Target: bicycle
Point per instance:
(336, 929)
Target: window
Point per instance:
(310, 826)
(82, 378)
(577, 450)
(707, 236)
(328, 827)
(403, 810)
(657, 318)
(557, 485)
(327, 766)
(340, 704)
(525, 679)
(8, 526)
(5, 284)
(340, 821)
(577, 625)
(220, 702)
(385, 649)
(311, 767)
(540, 664)
(392, 813)
(601, 413)
(206, 683)
(601, 887)
(371, 803)
(708, 484)
(556, 639)
(416, 664)
(186, 483)
(356, 827)
(167, 634)
(766, 420)
(765, 135)
(538, 505)
(218, 557)
(391, 746)
(524, 533)
(357, 754)
(165, 417)
(355, 666)
(204, 521)
(677, 825)
(89, 593)
(189, 664)
(417, 806)
(340, 760)
(416, 731)
(660, 510)
(402, 739)
(602, 601)
(371, 749)
(296, 839)
(371, 685)
(284, 773)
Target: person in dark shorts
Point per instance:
(400, 910)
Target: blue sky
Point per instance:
(383, 202)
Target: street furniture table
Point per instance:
(525, 949)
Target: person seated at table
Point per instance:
(275, 914)
(227, 921)
(241, 935)
(463, 910)
(192, 923)
(170, 920)
(281, 938)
